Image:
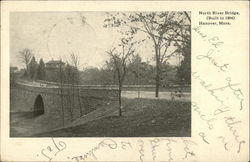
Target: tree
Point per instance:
(75, 61)
(137, 69)
(33, 68)
(61, 89)
(163, 28)
(169, 76)
(25, 56)
(69, 70)
(41, 70)
(119, 59)
(184, 71)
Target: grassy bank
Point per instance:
(141, 118)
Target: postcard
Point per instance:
(124, 81)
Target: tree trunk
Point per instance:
(73, 90)
(120, 92)
(27, 68)
(120, 100)
(69, 99)
(157, 77)
(78, 95)
(138, 88)
(157, 82)
(61, 94)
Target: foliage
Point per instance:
(41, 70)
(167, 30)
(184, 71)
(33, 68)
(169, 33)
(138, 73)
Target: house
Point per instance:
(54, 64)
(13, 74)
(13, 69)
(52, 70)
(22, 71)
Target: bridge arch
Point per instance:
(38, 105)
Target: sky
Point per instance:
(54, 35)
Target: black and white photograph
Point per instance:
(100, 74)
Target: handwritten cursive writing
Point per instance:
(222, 67)
(51, 151)
(230, 122)
(141, 151)
(154, 144)
(169, 141)
(202, 116)
(91, 153)
(197, 29)
(237, 92)
(207, 86)
(203, 136)
(220, 93)
(187, 149)
(214, 41)
(224, 142)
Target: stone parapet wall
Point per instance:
(58, 102)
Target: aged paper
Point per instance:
(208, 121)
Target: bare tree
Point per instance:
(165, 29)
(68, 76)
(75, 61)
(25, 56)
(119, 58)
(61, 89)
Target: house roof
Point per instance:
(55, 62)
(13, 68)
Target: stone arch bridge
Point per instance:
(57, 102)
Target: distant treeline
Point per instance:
(144, 74)
(139, 73)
